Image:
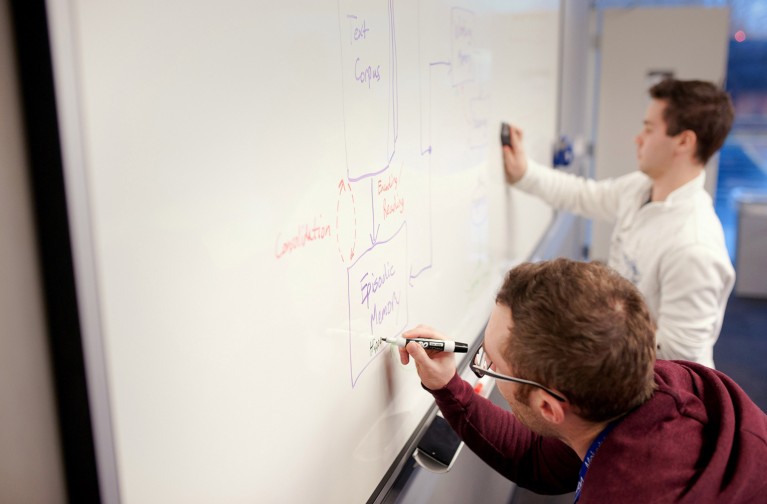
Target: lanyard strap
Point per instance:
(590, 455)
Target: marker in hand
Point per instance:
(430, 344)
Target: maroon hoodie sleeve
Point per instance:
(543, 465)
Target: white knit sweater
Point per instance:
(673, 250)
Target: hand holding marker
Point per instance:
(430, 344)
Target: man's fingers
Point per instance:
(417, 352)
(404, 357)
(516, 138)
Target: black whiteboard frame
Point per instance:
(54, 246)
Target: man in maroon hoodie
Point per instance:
(571, 345)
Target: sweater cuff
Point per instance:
(531, 176)
(456, 392)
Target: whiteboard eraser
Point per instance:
(505, 134)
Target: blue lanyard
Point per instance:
(590, 455)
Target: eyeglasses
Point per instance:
(481, 367)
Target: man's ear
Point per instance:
(552, 410)
(687, 141)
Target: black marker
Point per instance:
(505, 134)
(430, 344)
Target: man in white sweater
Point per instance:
(667, 239)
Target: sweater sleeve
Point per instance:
(544, 465)
(586, 197)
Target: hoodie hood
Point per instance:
(699, 439)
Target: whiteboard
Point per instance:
(260, 191)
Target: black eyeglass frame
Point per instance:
(480, 372)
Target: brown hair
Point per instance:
(583, 330)
(697, 106)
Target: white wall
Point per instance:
(30, 457)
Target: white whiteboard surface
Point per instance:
(259, 192)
